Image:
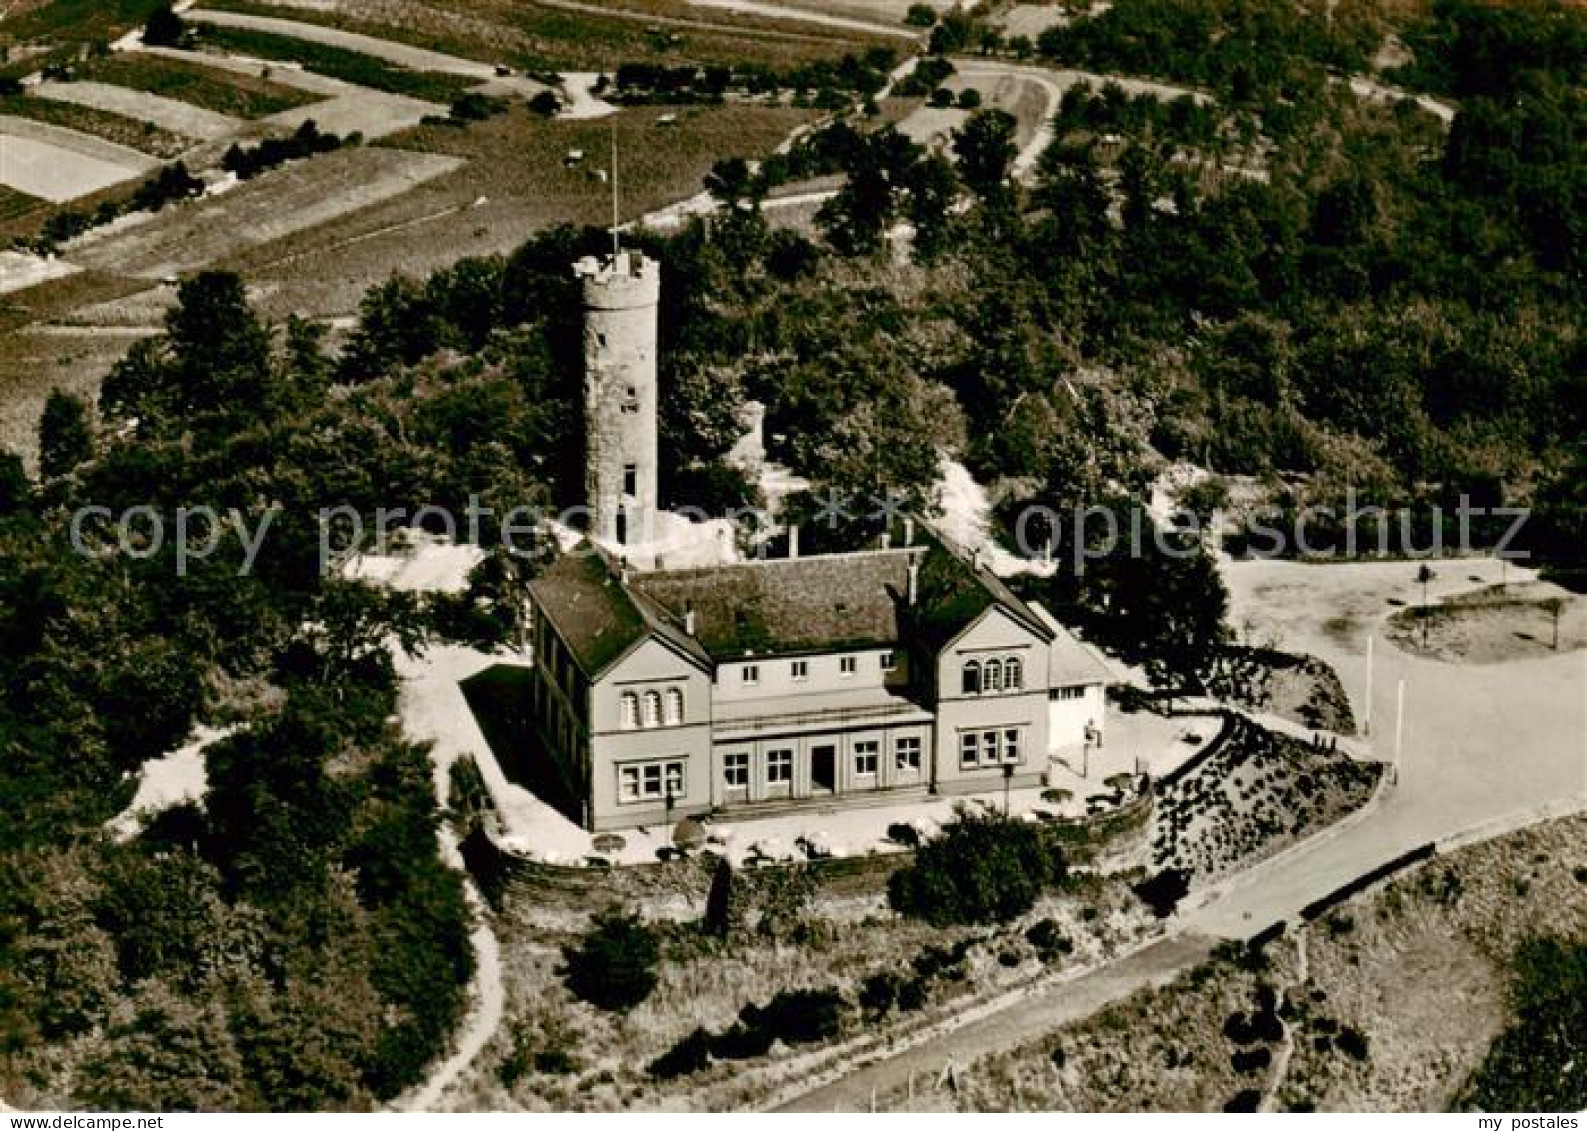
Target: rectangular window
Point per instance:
(1064, 694)
(801, 670)
(749, 675)
(650, 781)
(969, 749)
(906, 754)
(779, 767)
(866, 756)
(1011, 744)
(735, 770)
(630, 479)
(989, 748)
(847, 666)
(889, 661)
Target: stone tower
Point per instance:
(621, 294)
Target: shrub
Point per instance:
(879, 993)
(1353, 1042)
(164, 28)
(1048, 940)
(983, 868)
(741, 1042)
(724, 913)
(688, 1056)
(1163, 891)
(546, 104)
(799, 1016)
(920, 15)
(905, 834)
(969, 99)
(474, 107)
(1248, 1099)
(1251, 1060)
(914, 994)
(614, 967)
(941, 98)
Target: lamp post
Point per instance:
(1008, 776)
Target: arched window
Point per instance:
(972, 677)
(1013, 674)
(652, 715)
(628, 717)
(993, 679)
(674, 714)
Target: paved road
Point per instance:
(1038, 1014)
(1483, 745)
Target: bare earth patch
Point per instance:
(1493, 626)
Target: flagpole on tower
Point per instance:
(615, 247)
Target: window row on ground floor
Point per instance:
(817, 765)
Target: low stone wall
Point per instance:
(678, 888)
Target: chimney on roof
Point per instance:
(622, 570)
(914, 580)
(793, 540)
(909, 530)
(688, 618)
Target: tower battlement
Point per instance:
(626, 281)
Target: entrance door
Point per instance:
(823, 769)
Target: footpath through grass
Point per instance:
(241, 96)
(336, 62)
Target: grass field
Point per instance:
(142, 136)
(225, 92)
(14, 204)
(73, 21)
(573, 35)
(515, 183)
(336, 63)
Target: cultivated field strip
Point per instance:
(166, 113)
(413, 58)
(269, 208)
(282, 74)
(58, 165)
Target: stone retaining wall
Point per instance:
(677, 888)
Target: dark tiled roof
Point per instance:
(953, 591)
(788, 605)
(783, 606)
(594, 614)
